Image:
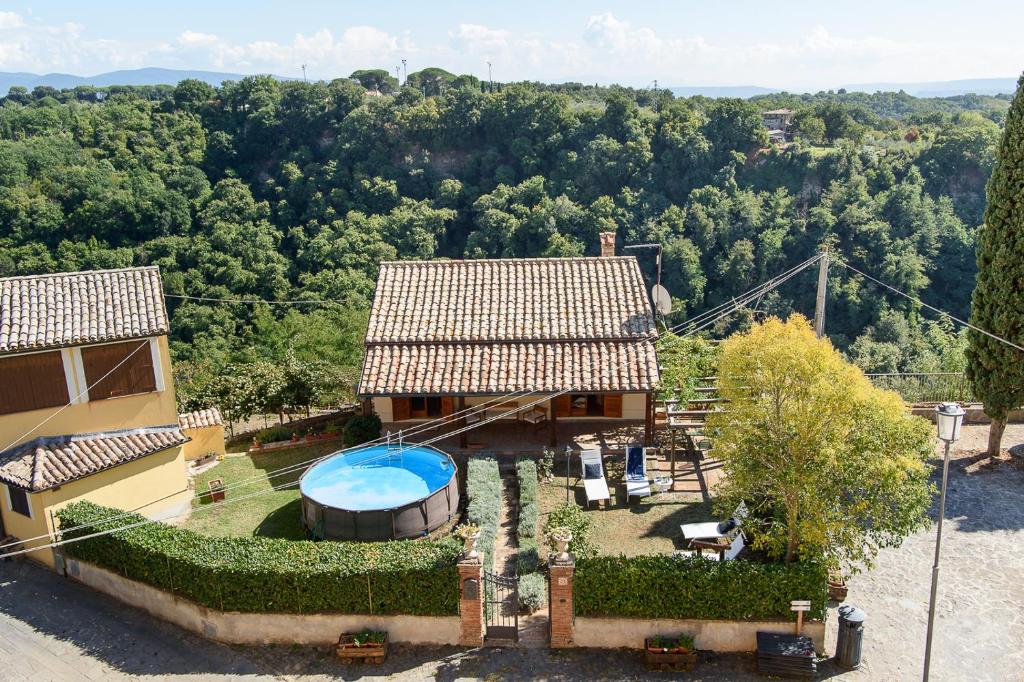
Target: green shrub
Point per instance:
(275, 434)
(360, 429)
(254, 574)
(573, 517)
(529, 556)
(533, 592)
(667, 586)
(483, 488)
(526, 473)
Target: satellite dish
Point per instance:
(662, 299)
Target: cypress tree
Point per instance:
(995, 369)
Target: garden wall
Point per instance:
(708, 635)
(261, 628)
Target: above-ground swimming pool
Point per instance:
(380, 492)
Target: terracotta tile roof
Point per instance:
(200, 419)
(522, 299)
(71, 308)
(51, 461)
(496, 368)
(495, 326)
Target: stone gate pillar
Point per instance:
(471, 602)
(560, 607)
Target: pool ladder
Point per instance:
(399, 446)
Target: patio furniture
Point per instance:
(594, 483)
(637, 484)
(536, 416)
(725, 550)
(714, 529)
(501, 410)
(662, 484)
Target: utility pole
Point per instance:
(405, 74)
(490, 79)
(819, 303)
(304, 74)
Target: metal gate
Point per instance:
(501, 606)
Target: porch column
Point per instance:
(367, 407)
(649, 420)
(552, 424)
(464, 436)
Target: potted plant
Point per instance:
(836, 586)
(670, 653)
(560, 537)
(367, 646)
(469, 534)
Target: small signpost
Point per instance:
(799, 606)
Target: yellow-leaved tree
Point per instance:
(829, 465)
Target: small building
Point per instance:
(578, 332)
(778, 122)
(87, 408)
(205, 429)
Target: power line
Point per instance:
(84, 392)
(251, 301)
(732, 306)
(930, 307)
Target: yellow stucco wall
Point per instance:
(132, 411)
(153, 485)
(204, 441)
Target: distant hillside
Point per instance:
(971, 86)
(741, 91)
(148, 76)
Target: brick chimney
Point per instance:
(607, 244)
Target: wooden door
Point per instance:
(447, 406)
(401, 409)
(563, 405)
(613, 405)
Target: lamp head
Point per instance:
(948, 418)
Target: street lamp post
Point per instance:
(568, 466)
(948, 417)
(405, 73)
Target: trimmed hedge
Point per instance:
(253, 574)
(483, 488)
(666, 586)
(529, 560)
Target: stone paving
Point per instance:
(54, 629)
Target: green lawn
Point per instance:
(273, 514)
(648, 526)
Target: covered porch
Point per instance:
(527, 420)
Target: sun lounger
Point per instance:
(714, 529)
(592, 470)
(637, 484)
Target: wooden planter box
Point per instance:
(349, 652)
(671, 660)
(837, 589)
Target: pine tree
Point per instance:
(995, 369)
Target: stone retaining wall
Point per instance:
(260, 628)
(709, 635)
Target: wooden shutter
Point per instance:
(447, 406)
(32, 382)
(613, 405)
(400, 409)
(563, 405)
(109, 374)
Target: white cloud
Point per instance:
(604, 47)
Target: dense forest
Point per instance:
(295, 191)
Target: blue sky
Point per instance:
(782, 44)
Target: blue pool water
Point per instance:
(377, 477)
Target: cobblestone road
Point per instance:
(54, 629)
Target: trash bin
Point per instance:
(851, 637)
